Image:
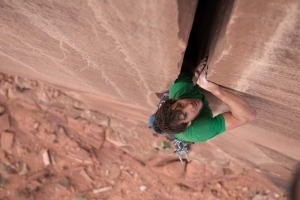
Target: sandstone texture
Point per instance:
(259, 50)
(119, 50)
(255, 50)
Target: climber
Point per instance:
(187, 114)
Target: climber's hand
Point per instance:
(205, 84)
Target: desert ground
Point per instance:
(53, 147)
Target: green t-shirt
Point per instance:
(204, 126)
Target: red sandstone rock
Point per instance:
(2, 109)
(7, 139)
(4, 122)
(93, 135)
(257, 53)
(138, 48)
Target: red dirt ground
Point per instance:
(54, 147)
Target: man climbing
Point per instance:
(187, 114)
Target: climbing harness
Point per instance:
(181, 148)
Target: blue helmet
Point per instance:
(163, 98)
(151, 125)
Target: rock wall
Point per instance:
(256, 52)
(124, 51)
(260, 51)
